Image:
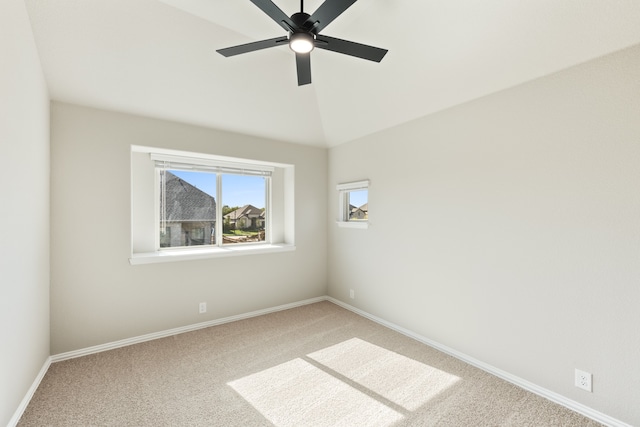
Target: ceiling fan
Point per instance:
(303, 35)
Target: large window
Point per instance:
(205, 203)
(211, 203)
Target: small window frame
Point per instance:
(344, 190)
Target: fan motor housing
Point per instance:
(301, 19)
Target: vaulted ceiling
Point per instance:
(158, 59)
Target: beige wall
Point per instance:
(98, 297)
(526, 254)
(24, 210)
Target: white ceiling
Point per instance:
(158, 59)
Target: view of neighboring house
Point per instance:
(190, 214)
(356, 213)
(246, 217)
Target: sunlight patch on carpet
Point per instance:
(402, 380)
(297, 393)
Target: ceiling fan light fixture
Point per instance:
(301, 42)
(303, 35)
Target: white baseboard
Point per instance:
(548, 394)
(27, 398)
(175, 331)
(135, 340)
(524, 384)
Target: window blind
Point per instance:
(203, 165)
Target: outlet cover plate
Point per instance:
(202, 307)
(583, 380)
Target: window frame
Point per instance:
(218, 170)
(145, 195)
(343, 204)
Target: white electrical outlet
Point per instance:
(203, 307)
(583, 380)
(352, 294)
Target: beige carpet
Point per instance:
(317, 365)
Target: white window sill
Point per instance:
(202, 253)
(353, 224)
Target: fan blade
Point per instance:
(350, 48)
(303, 65)
(268, 7)
(327, 12)
(250, 47)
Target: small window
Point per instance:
(353, 204)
